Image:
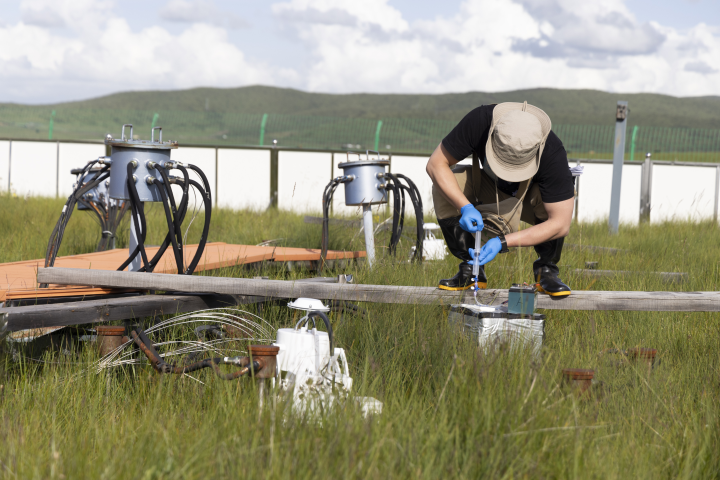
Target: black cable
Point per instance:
(314, 313)
(171, 226)
(207, 200)
(416, 200)
(140, 224)
(327, 201)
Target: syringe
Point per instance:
(476, 264)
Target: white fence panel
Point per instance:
(243, 179)
(595, 190)
(302, 176)
(33, 169)
(4, 165)
(682, 193)
(75, 155)
(414, 169)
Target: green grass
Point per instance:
(450, 409)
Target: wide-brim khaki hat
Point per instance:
(516, 140)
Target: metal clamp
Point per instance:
(149, 179)
(134, 162)
(152, 134)
(122, 134)
(150, 164)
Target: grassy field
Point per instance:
(450, 409)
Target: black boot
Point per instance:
(546, 270)
(463, 279)
(459, 242)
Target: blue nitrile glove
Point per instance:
(471, 220)
(487, 252)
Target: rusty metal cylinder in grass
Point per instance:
(109, 337)
(646, 355)
(268, 355)
(579, 378)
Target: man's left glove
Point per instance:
(487, 252)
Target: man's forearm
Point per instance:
(439, 170)
(536, 234)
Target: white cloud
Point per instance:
(101, 54)
(73, 49)
(496, 45)
(200, 11)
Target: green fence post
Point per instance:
(155, 119)
(52, 123)
(262, 129)
(377, 135)
(632, 143)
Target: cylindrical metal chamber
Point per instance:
(367, 186)
(143, 153)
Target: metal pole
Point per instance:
(274, 175)
(369, 237)
(577, 194)
(645, 187)
(618, 157)
(632, 143)
(377, 135)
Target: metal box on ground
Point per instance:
(494, 326)
(521, 299)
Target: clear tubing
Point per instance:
(476, 265)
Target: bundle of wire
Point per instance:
(86, 181)
(231, 328)
(393, 184)
(174, 213)
(108, 212)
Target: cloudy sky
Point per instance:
(58, 50)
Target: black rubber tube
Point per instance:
(138, 219)
(206, 227)
(171, 225)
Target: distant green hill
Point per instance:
(585, 107)
(671, 128)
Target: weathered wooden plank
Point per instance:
(579, 300)
(92, 311)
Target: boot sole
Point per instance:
(481, 286)
(553, 294)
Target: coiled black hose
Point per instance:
(398, 190)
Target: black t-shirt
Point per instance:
(553, 176)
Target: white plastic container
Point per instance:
(493, 326)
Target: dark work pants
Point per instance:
(459, 242)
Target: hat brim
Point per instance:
(507, 171)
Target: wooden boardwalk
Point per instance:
(18, 280)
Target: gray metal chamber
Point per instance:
(143, 153)
(367, 186)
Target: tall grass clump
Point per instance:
(451, 409)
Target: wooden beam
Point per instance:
(93, 311)
(579, 300)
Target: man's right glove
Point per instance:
(471, 220)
